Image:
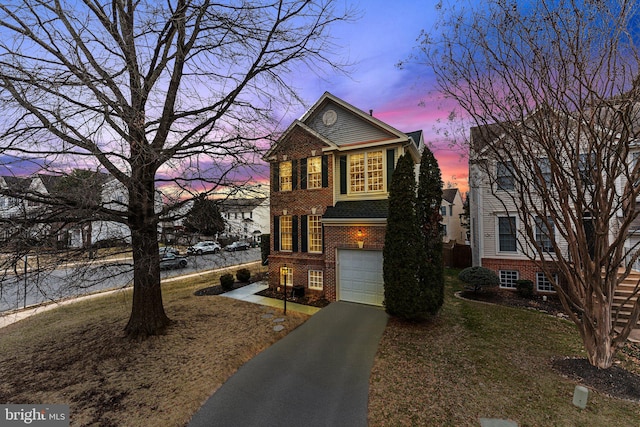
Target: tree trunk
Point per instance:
(147, 313)
(597, 336)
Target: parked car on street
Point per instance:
(168, 250)
(237, 246)
(206, 247)
(169, 261)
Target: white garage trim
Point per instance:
(360, 276)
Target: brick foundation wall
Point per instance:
(527, 269)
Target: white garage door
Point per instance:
(360, 276)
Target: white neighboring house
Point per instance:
(246, 218)
(89, 231)
(451, 210)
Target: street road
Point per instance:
(19, 291)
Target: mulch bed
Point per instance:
(616, 381)
(313, 301)
(217, 290)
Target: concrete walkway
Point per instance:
(318, 375)
(247, 293)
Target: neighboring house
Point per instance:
(71, 227)
(246, 219)
(451, 210)
(494, 223)
(330, 174)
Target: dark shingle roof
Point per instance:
(449, 194)
(358, 209)
(416, 136)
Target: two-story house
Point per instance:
(451, 211)
(246, 219)
(330, 175)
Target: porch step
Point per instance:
(623, 300)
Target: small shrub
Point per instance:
(524, 288)
(227, 281)
(479, 278)
(243, 275)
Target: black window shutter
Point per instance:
(304, 225)
(323, 239)
(390, 165)
(294, 233)
(276, 233)
(294, 174)
(343, 174)
(276, 176)
(303, 174)
(325, 171)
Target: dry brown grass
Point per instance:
(478, 360)
(78, 355)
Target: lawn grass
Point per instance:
(473, 360)
(77, 355)
(477, 360)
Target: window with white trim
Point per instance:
(285, 176)
(286, 276)
(314, 172)
(286, 236)
(315, 233)
(366, 172)
(508, 278)
(316, 279)
(505, 179)
(544, 233)
(507, 241)
(545, 169)
(543, 284)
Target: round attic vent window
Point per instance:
(329, 117)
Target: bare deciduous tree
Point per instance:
(550, 89)
(176, 94)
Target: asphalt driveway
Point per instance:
(318, 375)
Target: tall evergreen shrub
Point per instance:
(403, 248)
(428, 212)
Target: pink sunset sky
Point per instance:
(385, 34)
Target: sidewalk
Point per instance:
(8, 318)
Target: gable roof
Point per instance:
(350, 127)
(449, 194)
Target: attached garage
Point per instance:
(360, 276)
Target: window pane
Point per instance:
(286, 276)
(504, 176)
(544, 234)
(356, 173)
(285, 176)
(286, 242)
(543, 283)
(508, 278)
(314, 172)
(315, 279)
(375, 179)
(545, 169)
(507, 234)
(315, 234)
